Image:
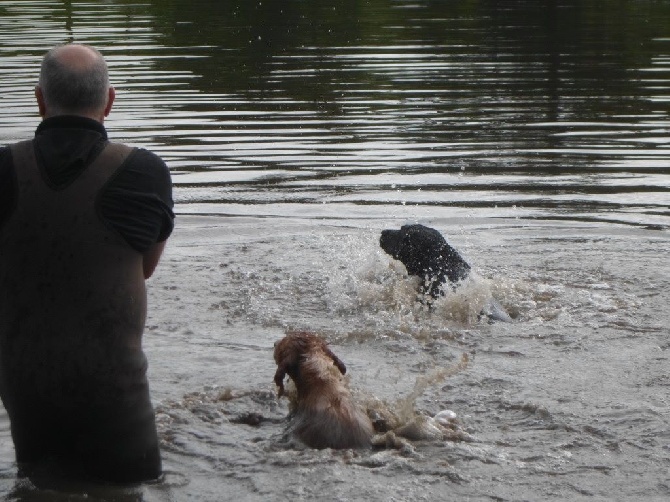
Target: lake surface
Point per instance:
(534, 135)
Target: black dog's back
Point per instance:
(426, 254)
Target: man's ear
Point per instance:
(39, 95)
(110, 100)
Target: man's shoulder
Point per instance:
(144, 155)
(142, 162)
(138, 202)
(144, 172)
(5, 150)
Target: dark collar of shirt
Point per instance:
(65, 145)
(71, 122)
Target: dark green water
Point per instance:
(554, 109)
(534, 134)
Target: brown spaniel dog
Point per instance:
(324, 414)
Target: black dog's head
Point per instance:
(425, 253)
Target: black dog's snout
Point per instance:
(389, 241)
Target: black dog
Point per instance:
(426, 254)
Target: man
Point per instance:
(83, 223)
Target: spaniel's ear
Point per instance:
(279, 378)
(287, 358)
(336, 361)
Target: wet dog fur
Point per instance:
(324, 415)
(426, 254)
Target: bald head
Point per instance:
(74, 81)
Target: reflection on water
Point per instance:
(414, 108)
(389, 111)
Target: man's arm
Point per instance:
(151, 257)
